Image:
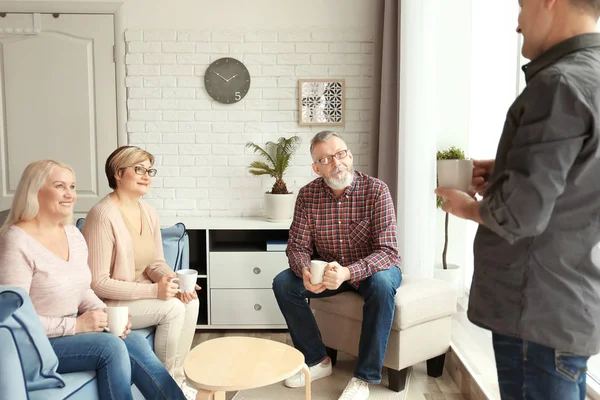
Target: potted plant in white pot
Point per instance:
(455, 172)
(279, 202)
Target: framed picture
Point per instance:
(321, 102)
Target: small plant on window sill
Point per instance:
(452, 153)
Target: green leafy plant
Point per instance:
(277, 158)
(452, 153)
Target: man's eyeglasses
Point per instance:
(338, 156)
(142, 171)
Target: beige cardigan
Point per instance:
(111, 254)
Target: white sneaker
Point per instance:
(355, 390)
(188, 391)
(316, 372)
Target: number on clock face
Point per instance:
(227, 80)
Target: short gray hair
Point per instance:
(592, 7)
(322, 137)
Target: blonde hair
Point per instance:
(123, 157)
(25, 205)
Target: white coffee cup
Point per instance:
(455, 174)
(118, 317)
(186, 278)
(317, 269)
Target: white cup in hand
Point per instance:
(118, 317)
(317, 270)
(455, 174)
(186, 278)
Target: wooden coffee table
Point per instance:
(238, 363)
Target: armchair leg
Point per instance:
(435, 366)
(397, 379)
(332, 353)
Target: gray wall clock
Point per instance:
(227, 80)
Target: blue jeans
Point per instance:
(530, 371)
(378, 291)
(117, 363)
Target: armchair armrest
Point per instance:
(12, 381)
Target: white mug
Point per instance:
(455, 174)
(118, 317)
(317, 270)
(186, 278)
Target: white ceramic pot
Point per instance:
(453, 275)
(455, 174)
(279, 207)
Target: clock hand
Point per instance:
(232, 77)
(220, 76)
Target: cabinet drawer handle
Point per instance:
(257, 307)
(256, 270)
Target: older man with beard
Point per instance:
(348, 219)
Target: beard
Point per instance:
(344, 181)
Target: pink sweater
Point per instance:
(59, 289)
(111, 254)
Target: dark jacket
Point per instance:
(537, 257)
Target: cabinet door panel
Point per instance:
(245, 269)
(244, 307)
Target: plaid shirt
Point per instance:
(358, 229)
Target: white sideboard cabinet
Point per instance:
(236, 271)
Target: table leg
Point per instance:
(307, 380)
(204, 395)
(209, 395)
(219, 395)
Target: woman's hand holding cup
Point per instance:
(127, 328)
(187, 297)
(166, 288)
(187, 284)
(91, 321)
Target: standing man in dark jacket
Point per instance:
(536, 283)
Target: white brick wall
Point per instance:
(199, 144)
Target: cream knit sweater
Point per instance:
(59, 289)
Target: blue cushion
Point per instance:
(79, 385)
(12, 383)
(37, 357)
(176, 246)
(79, 223)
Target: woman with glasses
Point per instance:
(127, 262)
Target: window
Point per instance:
(594, 371)
(494, 87)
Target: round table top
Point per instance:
(238, 363)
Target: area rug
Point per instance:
(325, 389)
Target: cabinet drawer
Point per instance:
(244, 307)
(245, 269)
